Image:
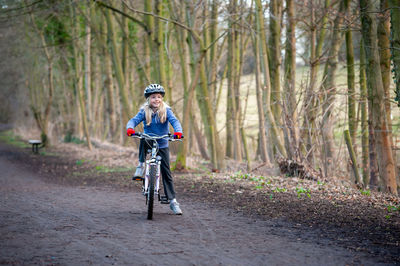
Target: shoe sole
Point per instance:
(177, 213)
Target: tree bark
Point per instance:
(259, 96)
(126, 110)
(233, 106)
(267, 82)
(375, 84)
(42, 119)
(309, 106)
(160, 42)
(290, 116)
(395, 44)
(329, 92)
(88, 65)
(352, 155)
(384, 53)
(395, 52)
(275, 22)
(364, 124)
(188, 90)
(351, 91)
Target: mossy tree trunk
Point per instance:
(374, 81)
(180, 36)
(78, 82)
(395, 44)
(262, 142)
(351, 87)
(289, 93)
(42, 117)
(384, 53)
(118, 68)
(275, 59)
(366, 169)
(234, 147)
(277, 142)
(395, 51)
(161, 44)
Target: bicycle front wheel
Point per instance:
(150, 194)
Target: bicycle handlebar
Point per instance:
(142, 135)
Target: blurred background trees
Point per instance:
(249, 80)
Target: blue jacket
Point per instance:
(156, 127)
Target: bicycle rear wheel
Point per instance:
(150, 194)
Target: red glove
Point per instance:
(178, 135)
(130, 132)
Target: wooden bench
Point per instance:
(35, 145)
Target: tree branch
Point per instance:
(102, 4)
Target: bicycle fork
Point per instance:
(150, 162)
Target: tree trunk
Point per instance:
(204, 101)
(79, 83)
(126, 110)
(384, 53)
(160, 42)
(351, 92)
(208, 117)
(109, 84)
(375, 84)
(395, 51)
(188, 91)
(364, 122)
(42, 119)
(308, 132)
(259, 96)
(81, 99)
(149, 61)
(88, 71)
(267, 82)
(395, 44)
(290, 116)
(329, 92)
(276, 60)
(352, 155)
(233, 106)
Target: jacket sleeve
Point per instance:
(174, 121)
(133, 122)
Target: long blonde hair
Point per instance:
(161, 112)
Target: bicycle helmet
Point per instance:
(154, 88)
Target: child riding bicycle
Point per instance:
(155, 115)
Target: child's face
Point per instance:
(155, 100)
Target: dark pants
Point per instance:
(165, 170)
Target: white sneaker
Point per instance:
(174, 205)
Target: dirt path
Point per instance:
(51, 224)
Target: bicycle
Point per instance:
(151, 181)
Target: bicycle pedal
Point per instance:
(164, 200)
(137, 178)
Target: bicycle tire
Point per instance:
(150, 194)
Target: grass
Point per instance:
(391, 210)
(302, 191)
(365, 192)
(8, 137)
(105, 169)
